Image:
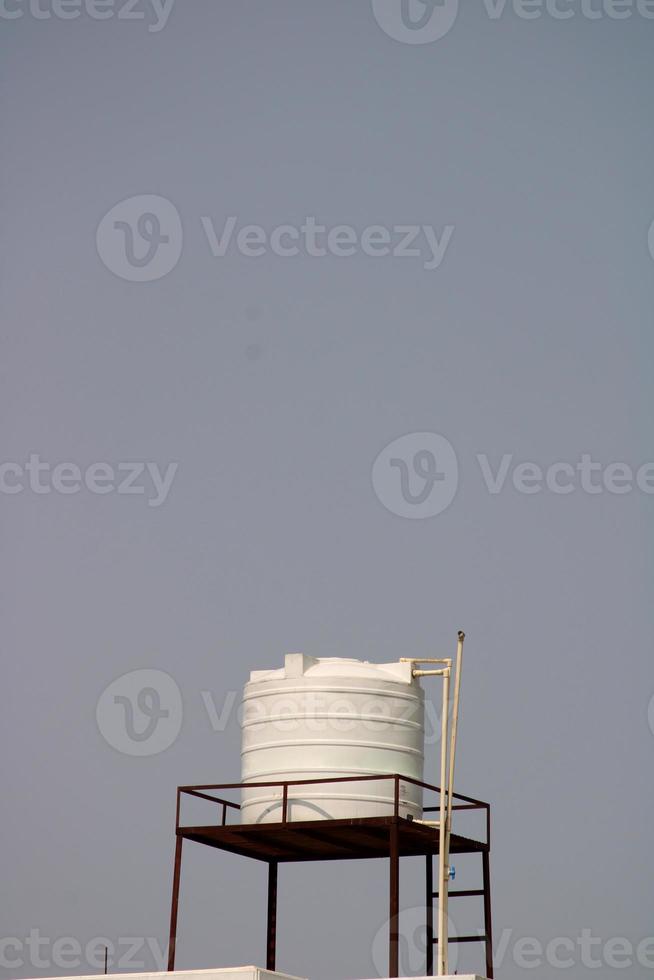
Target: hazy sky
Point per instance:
(246, 381)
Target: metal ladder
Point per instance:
(483, 892)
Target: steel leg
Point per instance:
(271, 944)
(429, 914)
(488, 928)
(394, 909)
(172, 938)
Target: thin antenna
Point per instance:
(105, 960)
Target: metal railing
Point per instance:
(200, 792)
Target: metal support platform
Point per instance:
(290, 841)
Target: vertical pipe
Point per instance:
(172, 938)
(455, 720)
(450, 781)
(394, 905)
(443, 870)
(488, 926)
(429, 914)
(271, 938)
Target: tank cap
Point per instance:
(297, 664)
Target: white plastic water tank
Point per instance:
(320, 718)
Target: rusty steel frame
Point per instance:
(319, 833)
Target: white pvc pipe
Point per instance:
(450, 784)
(443, 870)
(427, 660)
(448, 754)
(455, 717)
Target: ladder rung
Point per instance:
(468, 939)
(461, 891)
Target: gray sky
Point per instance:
(525, 148)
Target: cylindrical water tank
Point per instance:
(322, 718)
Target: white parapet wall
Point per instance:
(222, 973)
(231, 973)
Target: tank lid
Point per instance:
(302, 665)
